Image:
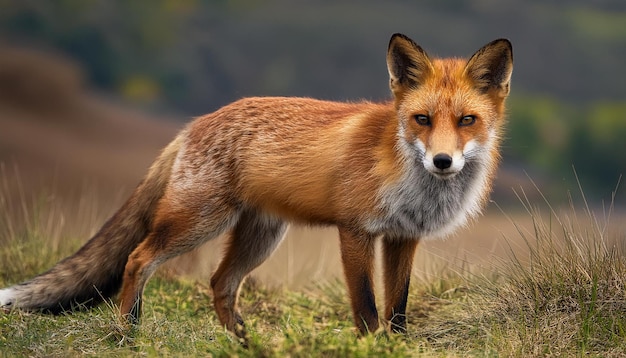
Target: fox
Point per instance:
(417, 166)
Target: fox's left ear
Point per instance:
(490, 67)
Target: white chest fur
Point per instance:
(421, 205)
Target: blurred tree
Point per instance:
(599, 152)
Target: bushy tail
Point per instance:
(95, 272)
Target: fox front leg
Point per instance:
(397, 262)
(357, 255)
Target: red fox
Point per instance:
(416, 167)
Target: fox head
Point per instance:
(449, 110)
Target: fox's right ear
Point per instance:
(407, 63)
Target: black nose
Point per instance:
(442, 161)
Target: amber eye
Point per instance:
(422, 119)
(467, 120)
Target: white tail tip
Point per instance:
(7, 298)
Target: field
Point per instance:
(558, 290)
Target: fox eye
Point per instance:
(467, 120)
(422, 119)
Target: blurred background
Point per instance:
(91, 90)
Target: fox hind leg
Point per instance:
(174, 233)
(253, 239)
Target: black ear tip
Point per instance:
(503, 40)
(506, 43)
(401, 39)
(398, 36)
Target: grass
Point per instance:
(565, 297)
(178, 320)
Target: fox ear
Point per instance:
(490, 67)
(407, 63)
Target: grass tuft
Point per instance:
(569, 294)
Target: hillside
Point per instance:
(56, 132)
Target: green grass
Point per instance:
(178, 320)
(566, 297)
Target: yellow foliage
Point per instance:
(140, 89)
(606, 122)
